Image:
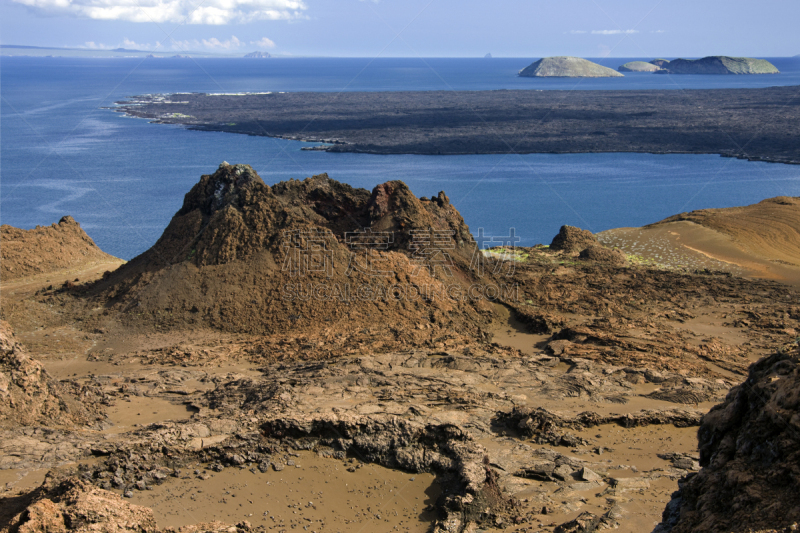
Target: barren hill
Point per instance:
(638, 66)
(567, 67)
(47, 249)
(721, 65)
(242, 256)
(770, 228)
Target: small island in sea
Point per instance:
(638, 66)
(720, 65)
(257, 55)
(567, 67)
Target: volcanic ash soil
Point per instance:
(177, 392)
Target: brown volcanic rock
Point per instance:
(601, 254)
(750, 454)
(572, 239)
(28, 394)
(242, 256)
(76, 506)
(47, 249)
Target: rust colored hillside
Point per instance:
(770, 228)
(58, 247)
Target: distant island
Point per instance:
(257, 55)
(720, 65)
(488, 56)
(20, 50)
(567, 67)
(638, 66)
(659, 62)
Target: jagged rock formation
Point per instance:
(47, 249)
(28, 395)
(661, 63)
(243, 256)
(750, 456)
(572, 239)
(567, 67)
(638, 66)
(257, 55)
(721, 65)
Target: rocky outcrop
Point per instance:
(545, 427)
(75, 506)
(601, 254)
(572, 239)
(243, 256)
(567, 67)
(638, 66)
(257, 55)
(661, 63)
(47, 249)
(721, 65)
(750, 456)
(28, 394)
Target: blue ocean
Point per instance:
(123, 179)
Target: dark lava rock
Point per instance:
(584, 523)
(750, 456)
(572, 239)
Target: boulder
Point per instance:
(601, 254)
(749, 454)
(572, 239)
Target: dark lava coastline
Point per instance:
(753, 124)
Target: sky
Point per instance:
(412, 28)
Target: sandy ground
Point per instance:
(623, 453)
(684, 244)
(313, 493)
(310, 494)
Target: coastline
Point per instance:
(750, 124)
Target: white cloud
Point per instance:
(613, 32)
(264, 43)
(577, 31)
(208, 12)
(215, 43)
(133, 45)
(95, 46)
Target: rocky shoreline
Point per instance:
(752, 124)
